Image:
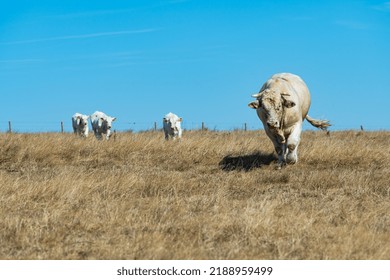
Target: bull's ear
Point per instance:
(254, 104)
(180, 119)
(113, 119)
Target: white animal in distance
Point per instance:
(80, 124)
(172, 126)
(101, 124)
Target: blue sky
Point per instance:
(201, 59)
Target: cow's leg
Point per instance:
(98, 135)
(179, 134)
(292, 144)
(281, 151)
(280, 148)
(108, 134)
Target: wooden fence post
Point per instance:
(62, 127)
(244, 126)
(202, 126)
(9, 127)
(155, 126)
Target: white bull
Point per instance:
(101, 124)
(80, 124)
(172, 126)
(282, 105)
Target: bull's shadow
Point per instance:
(246, 162)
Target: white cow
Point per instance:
(101, 124)
(282, 105)
(80, 124)
(172, 126)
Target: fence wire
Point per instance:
(135, 126)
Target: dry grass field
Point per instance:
(214, 195)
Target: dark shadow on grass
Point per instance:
(246, 162)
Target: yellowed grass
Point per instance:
(214, 195)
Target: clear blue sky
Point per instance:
(201, 59)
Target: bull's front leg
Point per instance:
(280, 149)
(279, 146)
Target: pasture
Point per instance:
(214, 195)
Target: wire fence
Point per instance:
(134, 126)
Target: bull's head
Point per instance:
(272, 103)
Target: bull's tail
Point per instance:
(323, 124)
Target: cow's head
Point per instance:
(173, 122)
(106, 125)
(82, 121)
(272, 103)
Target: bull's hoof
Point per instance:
(280, 165)
(290, 159)
(291, 162)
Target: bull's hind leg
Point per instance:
(292, 145)
(292, 154)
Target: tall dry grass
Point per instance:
(214, 195)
